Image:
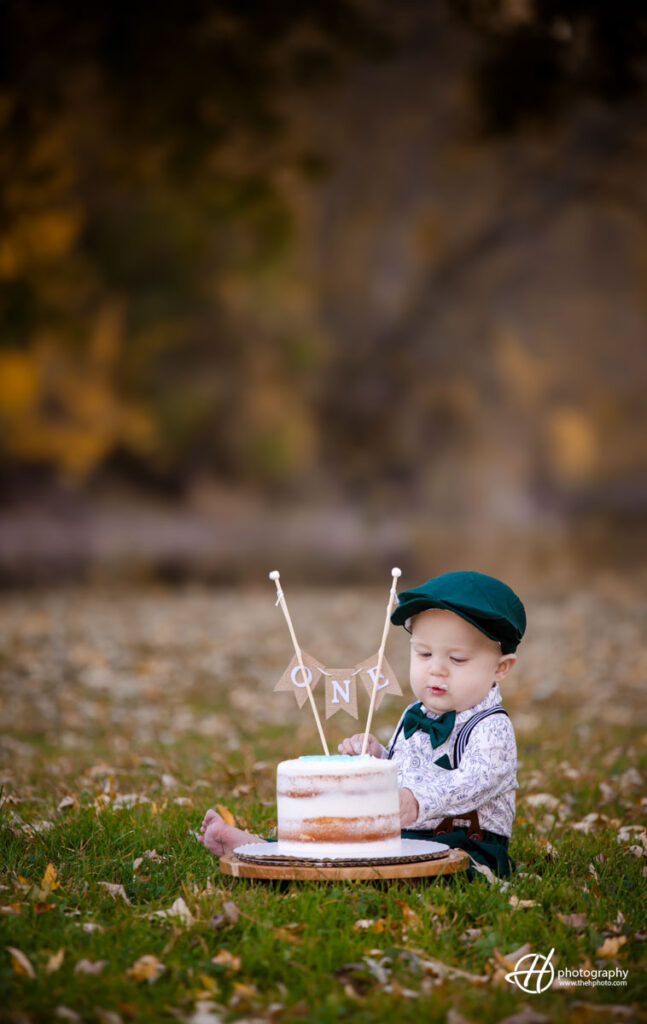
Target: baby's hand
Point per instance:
(353, 745)
(408, 807)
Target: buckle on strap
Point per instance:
(469, 821)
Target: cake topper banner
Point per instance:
(304, 672)
(340, 683)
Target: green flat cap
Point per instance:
(482, 600)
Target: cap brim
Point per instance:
(410, 608)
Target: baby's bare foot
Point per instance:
(208, 818)
(218, 837)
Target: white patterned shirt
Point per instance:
(485, 779)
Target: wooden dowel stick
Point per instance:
(395, 573)
(275, 575)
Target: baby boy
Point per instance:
(454, 746)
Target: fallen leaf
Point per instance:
(12, 908)
(64, 1013)
(409, 915)
(288, 933)
(177, 909)
(617, 1011)
(89, 966)
(526, 1015)
(518, 904)
(42, 907)
(115, 890)
(226, 959)
(506, 963)
(225, 814)
(576, 921)
(147, 968)
(91, 926)
(20, 963)
(230, 916)
(611, 946)
(369, 924)
(203, 1013)
(243, 994)
(66, 803)
(454, 1017)
(50, 879)
(54, 962)
(107, 1016)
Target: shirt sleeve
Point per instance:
(487, 769)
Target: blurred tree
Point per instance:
(145, 166)
(538, 56)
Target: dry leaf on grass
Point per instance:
(225, 814)
(64, 1013)
(369, 924)
(54, 962)
(506, 963)
(229, 916)
(147, 968)
(205, 1012)
(289, 932)
(226, 959)
(115, 890)
(547, 800)
(526, 1015)
(617, 1011)
(611, 946)
(518, 904)
(90, 966)
(576, 921)
(179, 910)
(50, 879)
(108, 1016)
(20, 963)
(430, 965)
(12, 908)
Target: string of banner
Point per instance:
(304, 672)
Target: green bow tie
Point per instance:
(437, 728)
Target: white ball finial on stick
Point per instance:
(275, 575)
(395, 573)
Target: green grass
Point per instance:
(292, 951)
(320, 967)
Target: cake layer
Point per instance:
(349, 802)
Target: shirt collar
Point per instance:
(492, 698)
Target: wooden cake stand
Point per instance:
(302, 871)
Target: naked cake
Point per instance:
(338, 806)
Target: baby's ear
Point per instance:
(506, 663)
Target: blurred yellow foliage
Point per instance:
(572, 444)
(63, 408)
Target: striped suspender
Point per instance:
(464, 734)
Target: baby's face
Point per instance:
(453, 664)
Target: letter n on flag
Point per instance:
(341, 691)
(387, 683)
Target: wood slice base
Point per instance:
(456, 860)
